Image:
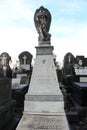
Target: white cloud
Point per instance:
(14, 41)
(14, 10)
(76, 44)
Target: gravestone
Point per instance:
(44, 106)
(4, 62)
(25, 59)
(68, 69)
(81, 68)
(5, 58)
(68, 64)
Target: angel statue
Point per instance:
(42, 20)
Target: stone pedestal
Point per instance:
(43, 122)
(44, 101)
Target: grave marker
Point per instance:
(44, 101)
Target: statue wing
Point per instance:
(36, 20)
(48, 18)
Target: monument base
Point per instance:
(43, 122)
(44, 105)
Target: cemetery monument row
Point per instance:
(44, 105)
(74, 88)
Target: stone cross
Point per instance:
(4, 58)
(25, 60)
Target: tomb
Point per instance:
(19, 89)
(5, 58)
(75, 92)
(68, 73)
(7, 120)
(81, 68)
(44, 106)
(79, 92)
(68, 64)
(20, 84)
(25, 59)
(25, 67)
(4, 62)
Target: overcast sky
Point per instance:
(68, 26)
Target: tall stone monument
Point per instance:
(44, 106)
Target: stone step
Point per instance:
(43, 122)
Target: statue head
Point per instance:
(42, 20)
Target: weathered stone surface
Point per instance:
(5, 58)
(43, 122)
(25, 59)
(68, 64)
(44, 98)
(44, 78)
(45, 107)
(44, 50)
